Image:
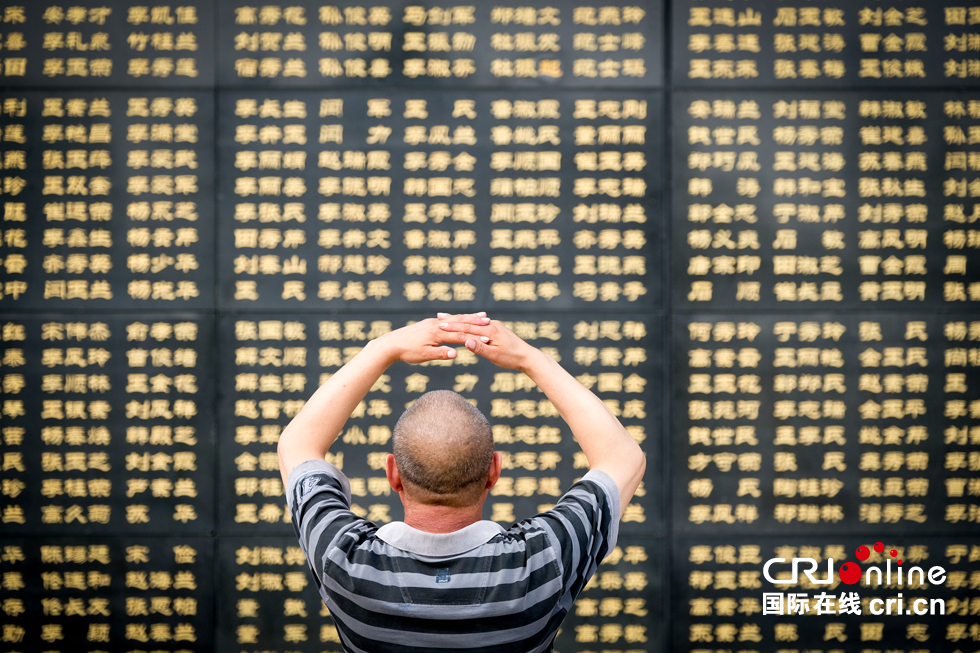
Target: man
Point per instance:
(443, 579)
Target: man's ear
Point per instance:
(496, 466)
(391, 471)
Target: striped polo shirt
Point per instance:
(481, 589)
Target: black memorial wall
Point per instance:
(750, 227)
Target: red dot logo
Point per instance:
(849, 573)
(879, 547)
(863, 553)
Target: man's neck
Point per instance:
(441, 519)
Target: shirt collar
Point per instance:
(402, 536)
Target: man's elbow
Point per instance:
(282, 447)
(285, 453)
(288, 443)
(641, 466)
(636, 457)
(283, 469)
(293, 450)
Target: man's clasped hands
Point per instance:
(435, 338)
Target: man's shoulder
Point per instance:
(589, 506)
(596, 491)
(305, 479)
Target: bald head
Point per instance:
(443, 448)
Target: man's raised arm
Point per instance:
(605, 442)
(314, 429)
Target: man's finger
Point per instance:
(477, 319)
(456, 337)
(480, 329)
(466, 318)
(480, 345)
(461, 337)
(436, 353)
(479, 314)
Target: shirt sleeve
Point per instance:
(584, 527)
(319, 500)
